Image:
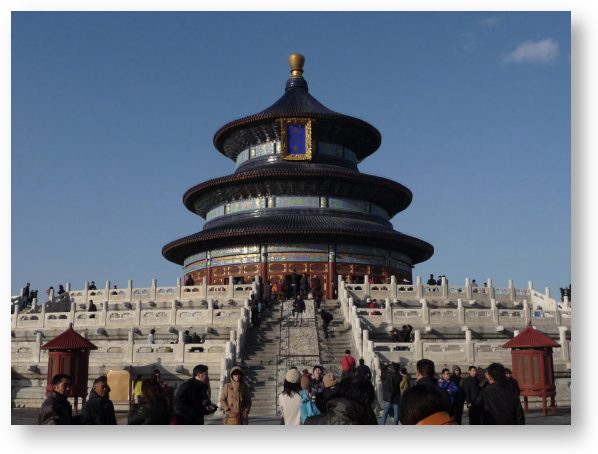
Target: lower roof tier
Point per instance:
(299, 228)
(298, 179)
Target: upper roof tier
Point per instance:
(296, 102)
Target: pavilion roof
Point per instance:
(531, 338)
(69, 340)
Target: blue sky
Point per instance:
(113, 116)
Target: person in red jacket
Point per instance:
(347, 365)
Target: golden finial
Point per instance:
(296, 62)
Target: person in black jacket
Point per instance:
(351, 404)
(391, 392)
(98, 410)
(497, 403)
(191, 401)
(471, 390)
(56, 409)
(154, 408)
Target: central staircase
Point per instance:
(267, 348)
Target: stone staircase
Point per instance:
(339, 340)
(260, 363)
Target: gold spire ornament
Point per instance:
(296, 62)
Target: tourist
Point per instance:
(267, 293)
(394, 335)
(362, 371)
(137, 393)
(61, 290)
(191, 401)
(190, 282)
(56, 409)
(317, 380)
(98, 410)
(424, 374)
(151, 339)
(405, 380)
(298, 308)
(304, 286)
(460, 397)
(450, 387)
(391, 392)
(471, 390)
(431, 281)
(154, 408)
(512, 382)
(286, 288)
(290, 400)
(308, 407)
(92, 286)
(187, 339)
(327, 318)
(92, 307)
(275, 290)
(425, 405)
(235, 400)
(474, 283)
(497, 403)
(351, 404)
(316, 288)
(294, 283)
(347, 365)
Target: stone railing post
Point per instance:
(241, 338)
(366, 286)
(512, 292)
(393, 286)
(468, 289)
(469, 351)
(178, 290)
(43, 314)
(68, 287)
(204, 287)
(173, 310)
(154, 290)
(425, 311)
(104, 313)
(418, 344)
(444, 291)
(460, 311)
(388, 311)
(210, 317)
(51, 298)
(557, 315)
(494, 310)
(129, 290)
(179, 349)
(230, 288)
(527, 316)
(15, 316)
(38, 349)
(564, 343)
(365, 338)
(107, 290)
(490, 289)
(419, 288)
(138, 313)
(130, 346)
(85, 292)
(72, 314)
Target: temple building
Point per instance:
(297, 201)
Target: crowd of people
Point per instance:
(309, 398)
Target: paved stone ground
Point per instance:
(534, 417)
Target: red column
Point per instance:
(331, 279)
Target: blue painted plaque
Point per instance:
(296, 139)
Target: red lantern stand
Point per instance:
(69, 354)
(533, 368)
